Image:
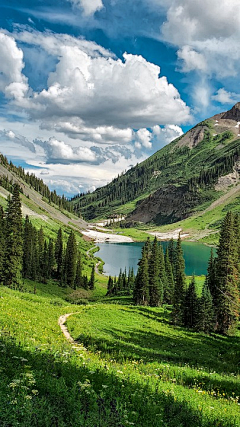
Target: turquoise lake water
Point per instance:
(121, 255)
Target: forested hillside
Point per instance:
(188, 170)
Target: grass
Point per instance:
(133, 355)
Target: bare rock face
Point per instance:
(166, 205)
(233, 114)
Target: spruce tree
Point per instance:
(110, 286)
(172, 254)
(169, 289)
(14, 241)
(70, 260)
(206, 316)
(78, 283)
(59, 253)
(227, 303)
(92, 279)
(190, 306)
(155, 283)
(141, 286)
(179, 285)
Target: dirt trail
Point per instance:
(61, 321)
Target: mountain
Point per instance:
(38, 202)
(186, 176)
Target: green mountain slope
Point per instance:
(183, 177)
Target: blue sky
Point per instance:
(89, 88)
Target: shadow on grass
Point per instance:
(46, 390)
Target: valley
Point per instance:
(81, 350)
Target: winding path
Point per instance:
(61, 321)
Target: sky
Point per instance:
(89, 88)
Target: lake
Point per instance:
(121, 255)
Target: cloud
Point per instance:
(8, 136)
(207, 34)
(192, 60)
(12, 82)
(225, 97)
(89, 7)
(164, 135)
(60, 152)
(143, 139)
(101, 134)
(91, 86)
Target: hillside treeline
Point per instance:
(161, 280)
(36, 183)
(26, 253)
(195, 168)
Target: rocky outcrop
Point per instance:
(166, 205)
(233, 114)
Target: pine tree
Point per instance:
(141, 286)
(155, 283)
(206, 316)
(172, 254)
(51, 258)
(110, 286)
(59, 253)
(14, 241)
(41, 241)
(227, 303)
(92, 278)
(190, 306)
(78, 283)
(179, 286)
(211, 277)
(169, 289)
(70, 260)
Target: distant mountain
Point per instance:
(37, 200)
(185, 176)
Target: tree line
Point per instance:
(61, 201)
(26, 253)
(161, 279)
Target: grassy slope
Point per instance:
(174, 165)
(134, 356)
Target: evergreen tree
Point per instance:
(130, 280)
(155, 283)
(211, 277)
(92, 278)
(70, 260)
(206, 317)
(59, 253)
(41, 241)
(190, 306)
(169, 289)
(227, 303)
(78, 278)
(51, 258)
(172, 254)
(179, 286)
(14, 241)
(110, 286)
(141, 286)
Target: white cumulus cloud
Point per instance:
(225, 97)
(90, 85)
(207, 33)
(89, 7)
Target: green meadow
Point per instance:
(130, 366)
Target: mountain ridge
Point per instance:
(175, 181)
